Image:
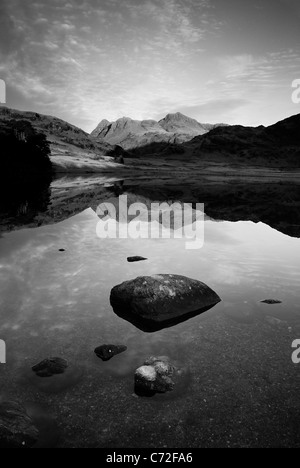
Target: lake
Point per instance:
(240, 386)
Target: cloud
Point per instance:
(223, 108)
(100, 60)
(293, 4)
(88, 60)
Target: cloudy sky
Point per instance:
(229, 61)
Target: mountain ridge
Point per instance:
(68, 143)
(277, 144)
(129, 133)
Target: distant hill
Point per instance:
(278, 144)
(67, 142)
(130, 134)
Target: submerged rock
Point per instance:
(50, 367)
(45, 423)
(274, 320)
(157, 375)
(159, 301)
(271, 301)
(17, 429)
(54, 375)
(106, 352)
(136, 259)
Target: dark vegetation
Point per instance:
(59, 132)
(26, 170)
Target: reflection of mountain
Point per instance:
(174, 128)
(274, 203)
(172, 216)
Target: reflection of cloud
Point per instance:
(43, 289)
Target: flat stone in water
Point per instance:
(136, 259)
(50, 367)
(271, 301)
(106, 352)
(17, 429)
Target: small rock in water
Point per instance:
(106, 352)
(136, 259)
(271, 301)
(50, 367)
(17, 429)
(155, 376)
(56, 376)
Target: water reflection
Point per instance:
(150, 326)
(57, 304)
(276, 203)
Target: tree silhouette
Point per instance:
(26, 170)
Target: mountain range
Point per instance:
(274, 146)
(176, 137)
(130, 134)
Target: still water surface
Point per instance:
(240, 388)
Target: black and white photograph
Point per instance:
(149, 226)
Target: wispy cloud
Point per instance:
(88, 60)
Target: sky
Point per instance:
(230, 61)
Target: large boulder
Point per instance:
(17, 429)
(155, 302)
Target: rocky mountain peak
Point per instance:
(177, 116)
(130, 133)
